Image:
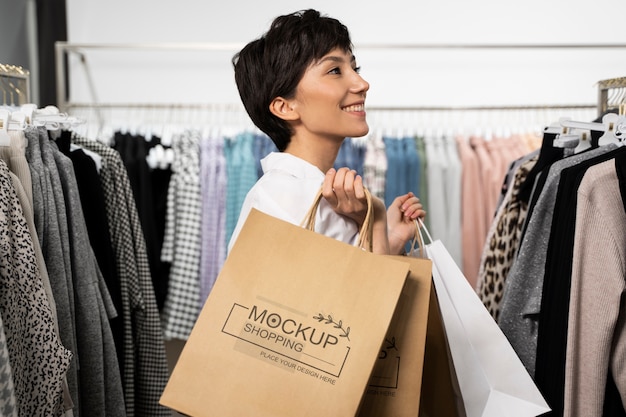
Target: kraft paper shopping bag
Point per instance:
(440, 396)
(394, 386)
(292, 327)
(492, 380)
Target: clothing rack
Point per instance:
(14, 85)
(62, 49)
(611, 94)
(235, 107)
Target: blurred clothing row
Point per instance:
(80, 330)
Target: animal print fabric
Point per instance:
(38, 360)
(502, 243)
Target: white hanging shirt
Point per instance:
(286, 191)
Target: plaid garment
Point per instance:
(144, 365)
(182, 238)
(213, 185)
(8, 403)
(375, 166)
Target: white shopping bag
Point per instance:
(492, 379)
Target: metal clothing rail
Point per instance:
(63, 48)
(234, 46)
(234, 107)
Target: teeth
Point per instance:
(357, 107)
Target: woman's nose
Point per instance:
(360, 85)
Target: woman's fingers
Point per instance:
(343, 189)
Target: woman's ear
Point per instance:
(283, 109)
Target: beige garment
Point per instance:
(15, 157)
(596, 337)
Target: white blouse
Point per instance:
(286, 191)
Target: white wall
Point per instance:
(398, 77)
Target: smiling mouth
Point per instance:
(354, 108)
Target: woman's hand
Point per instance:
(401, 214)
(344, 191)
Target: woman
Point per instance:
(301, 86)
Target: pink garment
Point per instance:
(486, 171)
(596, 334)
(499, 166)
(509, 150)
(519, 146)
(473, 225)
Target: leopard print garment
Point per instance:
(502, 243)
(38, 360)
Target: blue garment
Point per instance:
(403, 168)
(351, 155)
(241, 174)
(263, 146)
(412, 165)
(395, 180)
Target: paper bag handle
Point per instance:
(417, 244)
(365, 234)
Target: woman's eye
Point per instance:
(357, 70)
(335, 70)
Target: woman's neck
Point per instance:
(319, 152)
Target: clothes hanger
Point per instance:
(10, 120)
(569, 123)
(615, 129)
(51, 118)
(28, 110)
(160, 157)
(5, 139)
(548, 154)
(578, 138)
(584, 141)
(611, 131)
(566, 136)
(567, 140)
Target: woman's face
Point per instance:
(330, 97)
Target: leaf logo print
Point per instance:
(337, 325)
(391, 344)
(346, 333)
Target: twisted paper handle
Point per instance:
(365, 234)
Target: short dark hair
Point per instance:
(273, 65)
